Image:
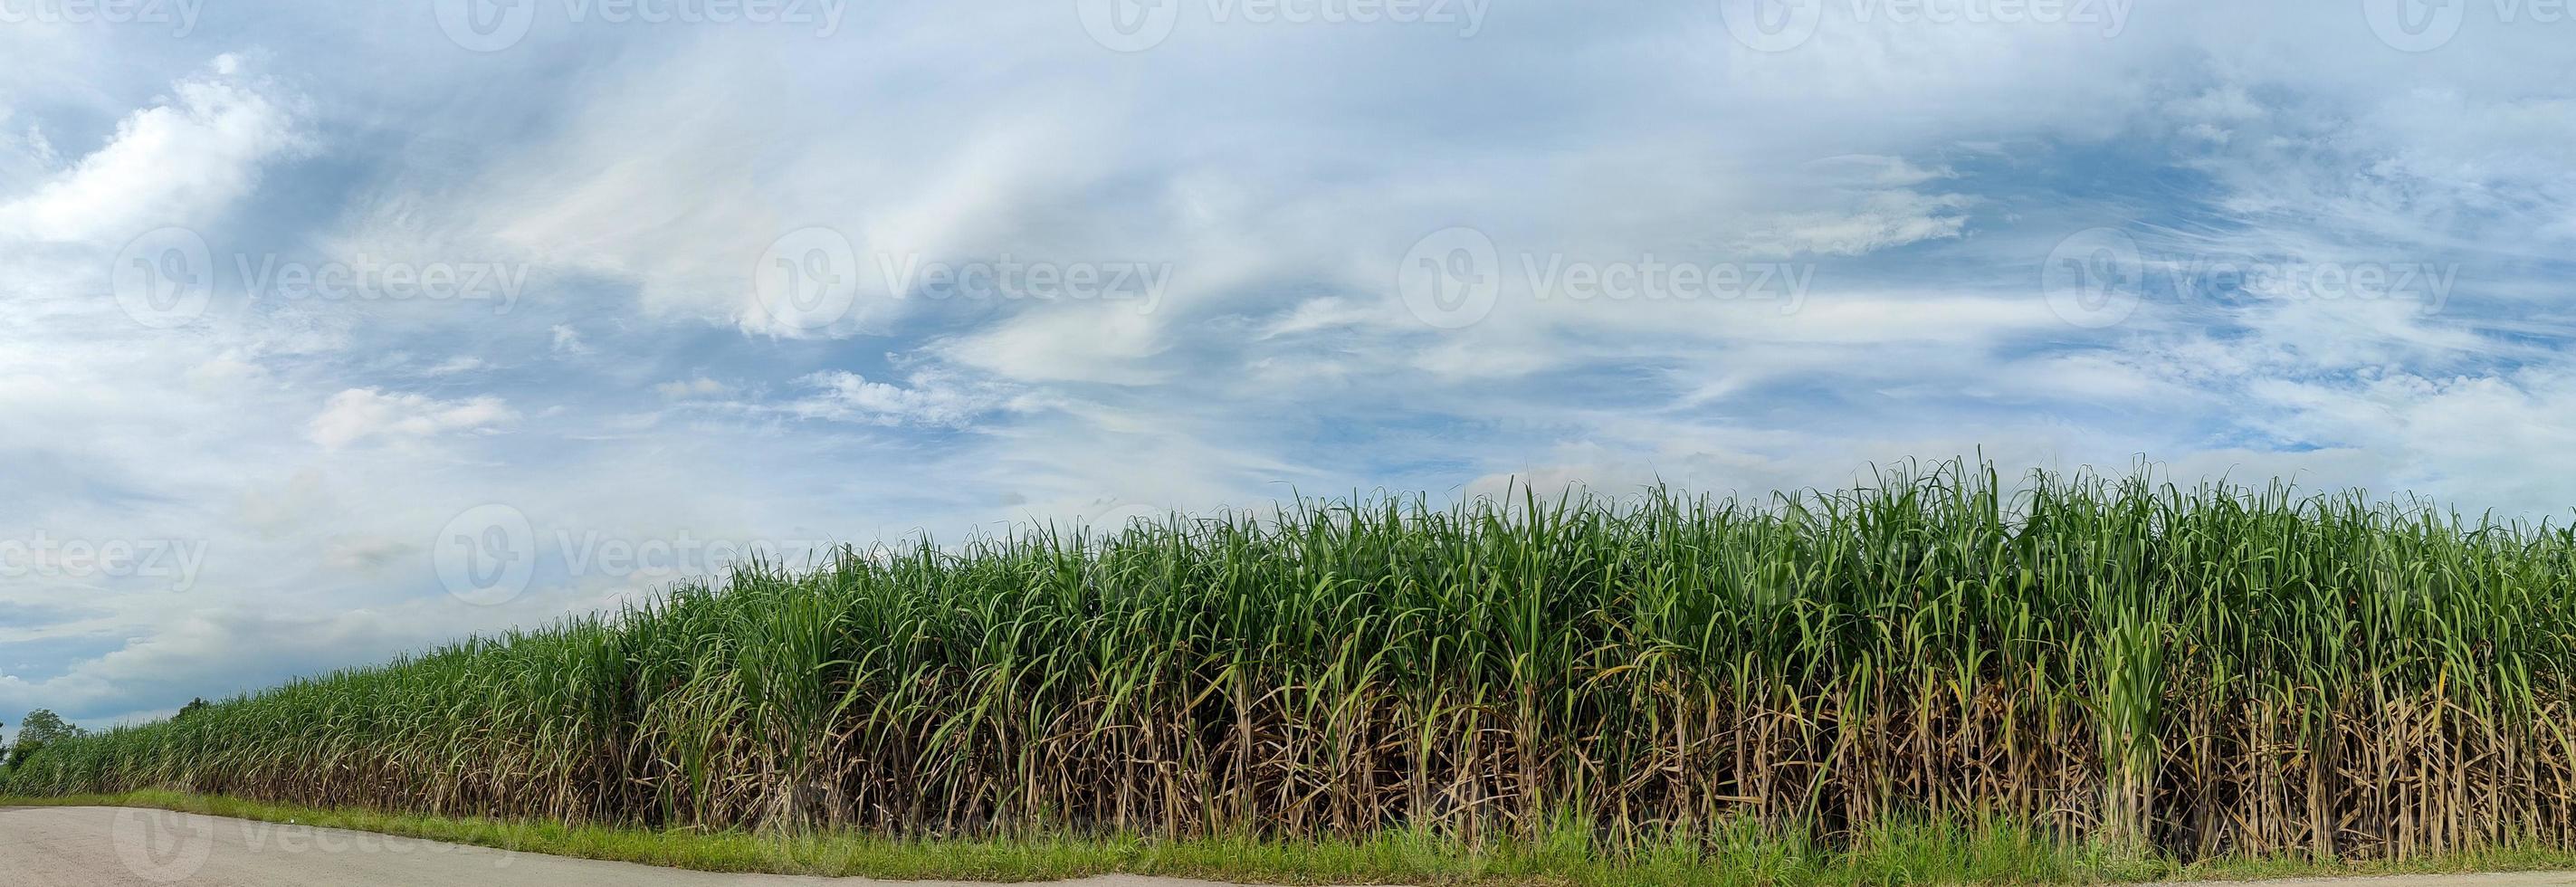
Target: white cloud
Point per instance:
(1880, 220)
(1077, 343)
(697, 387)
(176, 163)
(849, 397)
(363, 414)
(2472, 436)
(1923, 171)
(458, 364)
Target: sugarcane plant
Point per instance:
(2195, 670)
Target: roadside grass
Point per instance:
(1929, 853)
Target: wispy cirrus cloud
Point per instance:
(2248, 238)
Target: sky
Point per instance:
(334, 330)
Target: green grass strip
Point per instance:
(1893, 854)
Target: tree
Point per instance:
(40, 726)
(191, 708)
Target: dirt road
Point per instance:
(131, 847)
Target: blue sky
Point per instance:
(336, 330)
